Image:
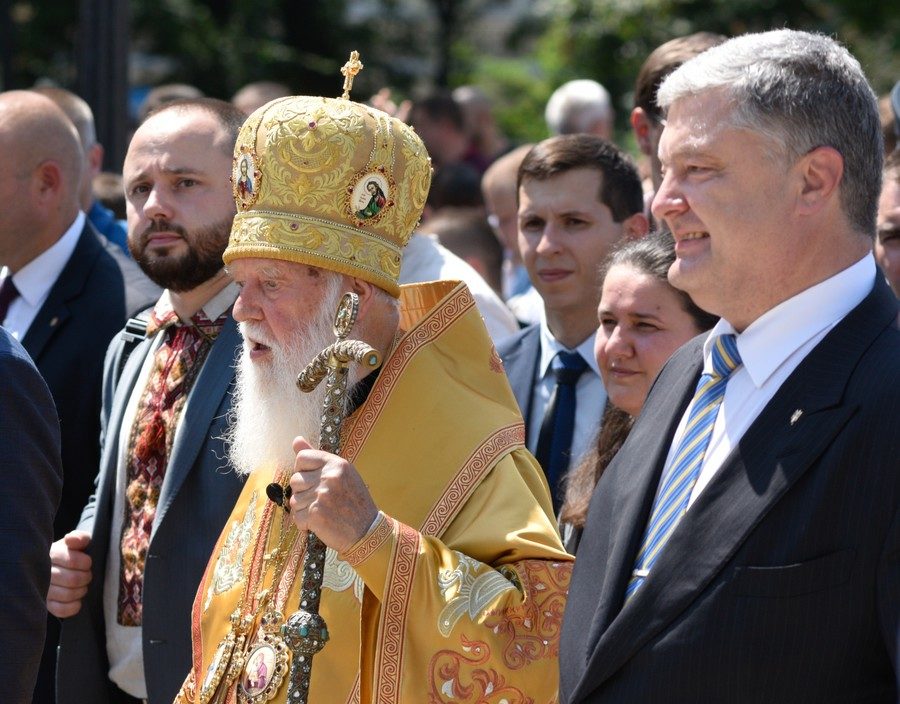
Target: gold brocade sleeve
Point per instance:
(475, 615)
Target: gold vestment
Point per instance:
(457, 593)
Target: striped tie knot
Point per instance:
(679, 478)
(725, 356)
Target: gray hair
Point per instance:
(802, 91)
(575, 105)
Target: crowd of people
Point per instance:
(609, 430)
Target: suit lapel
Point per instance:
(773, 454)
(203, 401)
(634, 491)
(69, 285)
(520, 364)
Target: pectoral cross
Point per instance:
(349, 70)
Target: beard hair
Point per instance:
(199, 264)
(268, 409)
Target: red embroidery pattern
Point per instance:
(176, 364)
(473, 470)
(532, 627)
(456, 677)
(496, 363)
(428, 330)
(358, 553)
(389, 665)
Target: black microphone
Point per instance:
(279, 495)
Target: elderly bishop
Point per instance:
(444, 577)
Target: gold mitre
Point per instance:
(330, 183)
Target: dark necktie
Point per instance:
(8, 293)
(555, 439)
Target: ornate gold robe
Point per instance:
(457, 593)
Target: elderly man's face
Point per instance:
(728, 203)
(887, 241)
(277, 300)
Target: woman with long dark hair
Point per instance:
(643, 320)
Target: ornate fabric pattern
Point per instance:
(467, 479)
(532, 628)
(339, 576)
(466, 677)
(336, 184)
(472, 592)
(229, 569)
(369, 544)
(176, 364)
(390, 656)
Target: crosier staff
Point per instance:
(305, 632)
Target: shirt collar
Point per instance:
(37, 277)
(164, 311)
(550, 346)
(773, 337)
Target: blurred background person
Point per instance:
(487, 138)
(580, 106)
(166, 93)
(646, 116)
(466, 233)
(255, 95)
(501, 200)
(887, 237)
(643, 320)
(79, 112)
(440, 122)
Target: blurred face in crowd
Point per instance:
(887, 239)
(179, 197)
(642, 322)
(728, 203)
(565, 233)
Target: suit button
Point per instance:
(157, 641)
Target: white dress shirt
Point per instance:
(37, 277)
(590, 396)
(771, 348)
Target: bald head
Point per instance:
(33, 130)
(43, 163)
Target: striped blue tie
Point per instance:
(678, 483)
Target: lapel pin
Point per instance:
(795, 416)
(53, 322)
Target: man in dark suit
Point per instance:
(744, 545)
(124, 581)
(67, 294)
(578, 195)
(31, 475)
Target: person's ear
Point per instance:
(48, 178)
(635, 226)
(642, 126)
(820, 171)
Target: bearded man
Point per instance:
(444, 576)
(123, 581)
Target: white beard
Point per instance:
(268, 409)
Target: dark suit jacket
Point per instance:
(781, 584)
(87, 306)
(520, 354)
(197, 495)
(31, 477)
